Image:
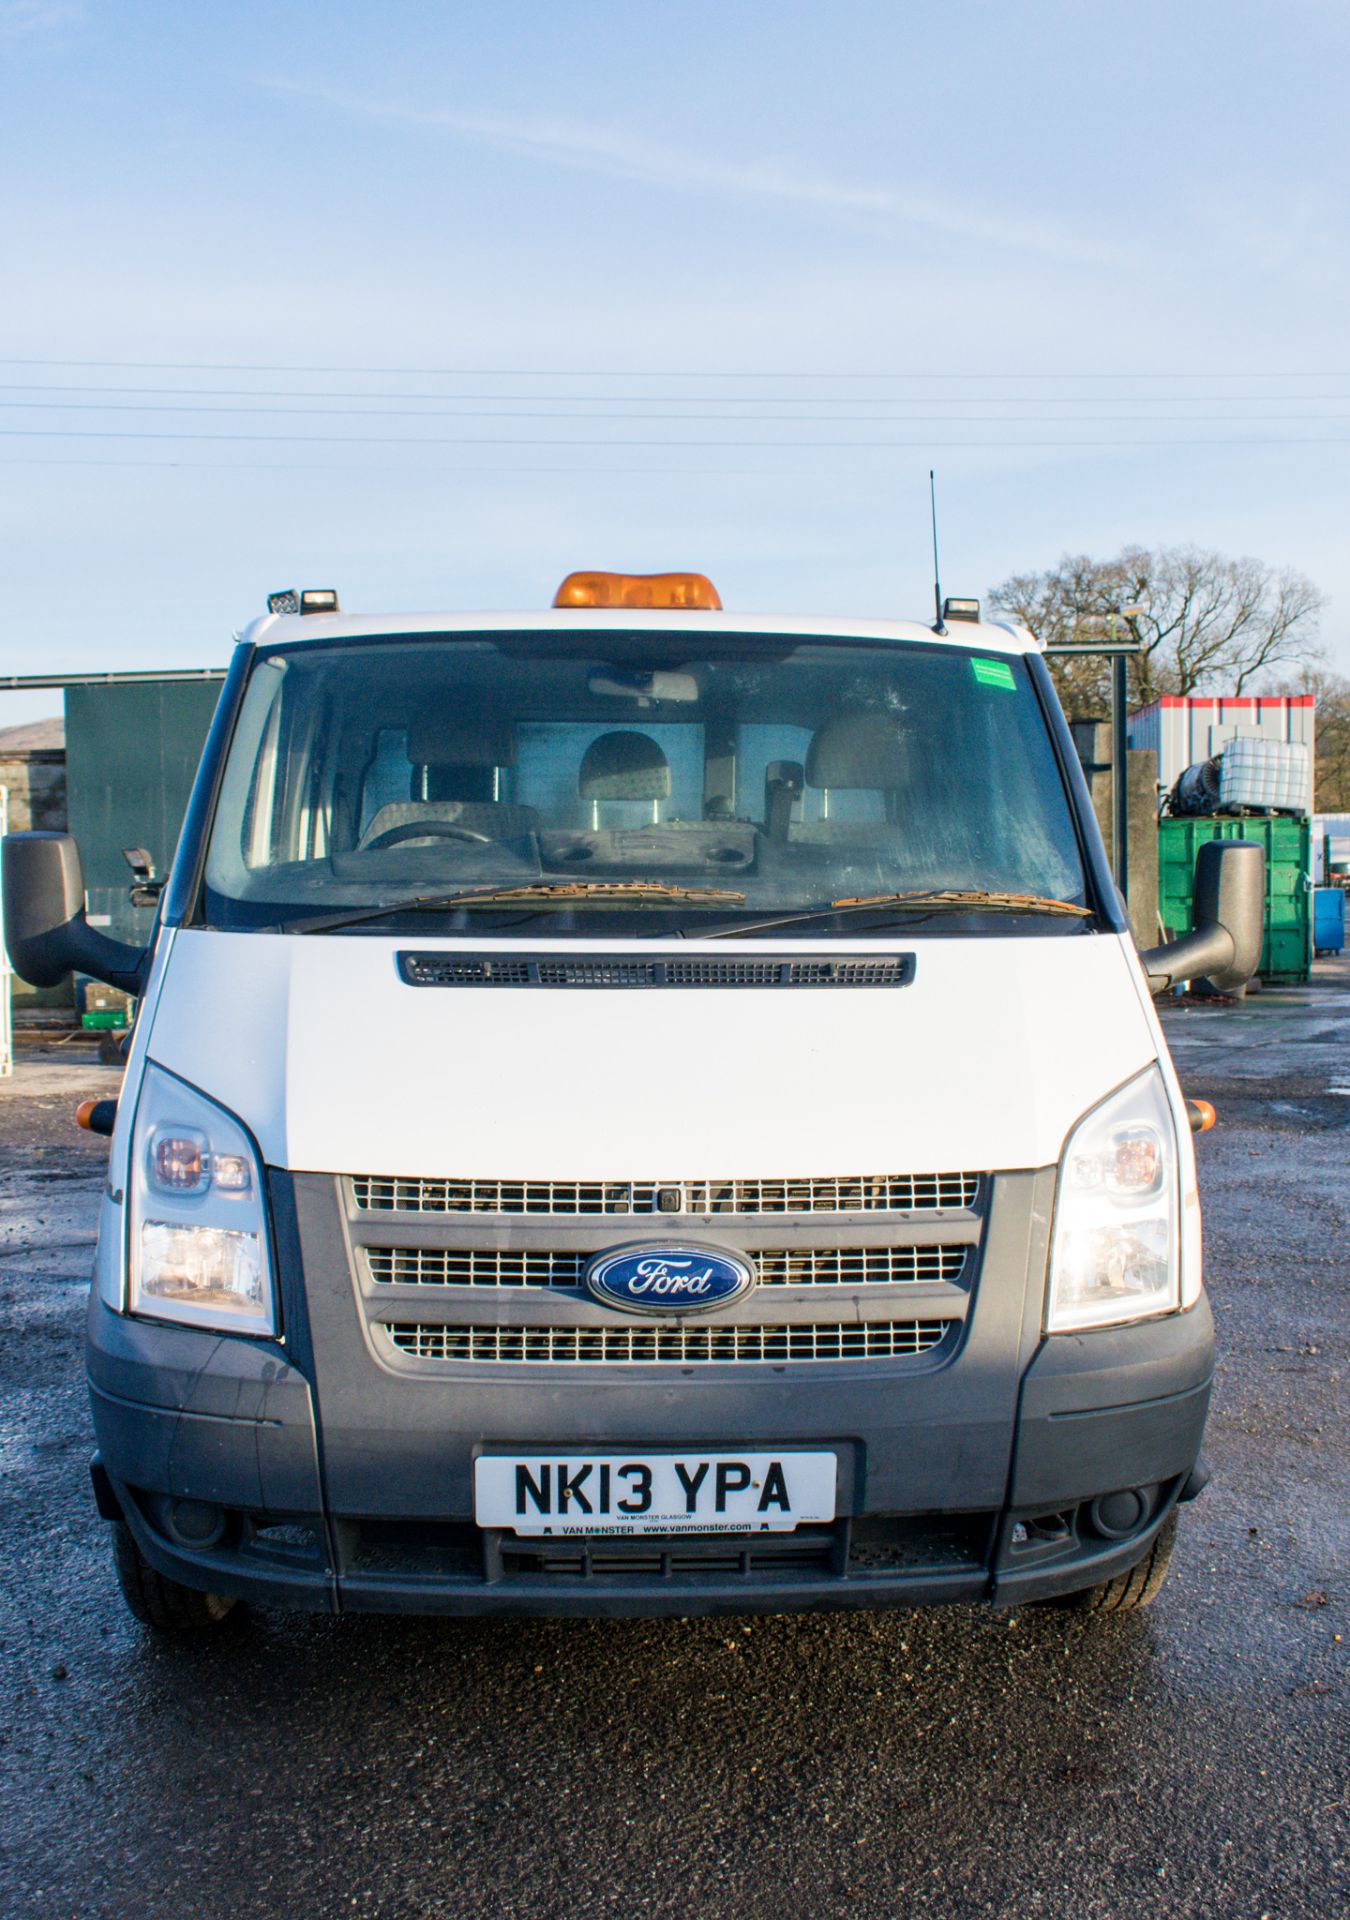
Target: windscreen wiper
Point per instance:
(622, 892)
(926, 900)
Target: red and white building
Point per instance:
(1185, 729)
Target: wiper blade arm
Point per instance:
(960, 897)
(929, 900)
(621, 891)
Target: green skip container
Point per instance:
(1286, 952)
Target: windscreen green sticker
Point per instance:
(994, 673)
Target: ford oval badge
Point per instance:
(669, 1279)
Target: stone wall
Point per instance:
(36, 781)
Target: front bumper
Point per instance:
(233, 1426)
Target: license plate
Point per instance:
(653, 1492)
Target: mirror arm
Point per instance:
(121, 966)
(1208, 950)
(47, 958)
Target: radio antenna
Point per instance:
(939, 625)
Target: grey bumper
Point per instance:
(185, 1416)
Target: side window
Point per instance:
(388, 774)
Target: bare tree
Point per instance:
(1202, 620)
(1331, 751)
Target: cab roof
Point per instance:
(990, 636)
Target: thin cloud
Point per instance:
(622, 157)
(32, 19)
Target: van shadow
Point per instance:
(677, 1763)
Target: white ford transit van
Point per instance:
(639, 1110)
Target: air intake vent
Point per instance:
(459, 969)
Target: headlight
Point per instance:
(1114, 1253)
(198, 1232)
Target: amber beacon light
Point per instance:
(640, 592)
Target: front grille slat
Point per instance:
(844, 1193)
(777, 1267)
(473, 1267)
(682, 1345)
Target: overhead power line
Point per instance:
(600, 419)
(655, 373)
(474, 471)
(681, 399)
(479, 440)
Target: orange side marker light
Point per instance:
(1202, 1115)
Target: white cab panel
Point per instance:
(983, 1063)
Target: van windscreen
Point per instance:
(721, 773)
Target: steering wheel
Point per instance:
(420, 829)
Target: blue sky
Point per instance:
(655, 285)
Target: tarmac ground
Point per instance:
(1188, 1760)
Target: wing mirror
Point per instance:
(45, 929)
(1230, 916)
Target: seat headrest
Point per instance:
(859, 750)
(460, 740)
(624, 766)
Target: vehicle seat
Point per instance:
(858, 753)
(456, 762)
(624, 766)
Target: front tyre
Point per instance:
(1128, 1590)
(155, 1600)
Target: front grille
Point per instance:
(842, 1193)
(683, 1346)
(777, 1266)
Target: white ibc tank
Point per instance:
(1273, 775)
